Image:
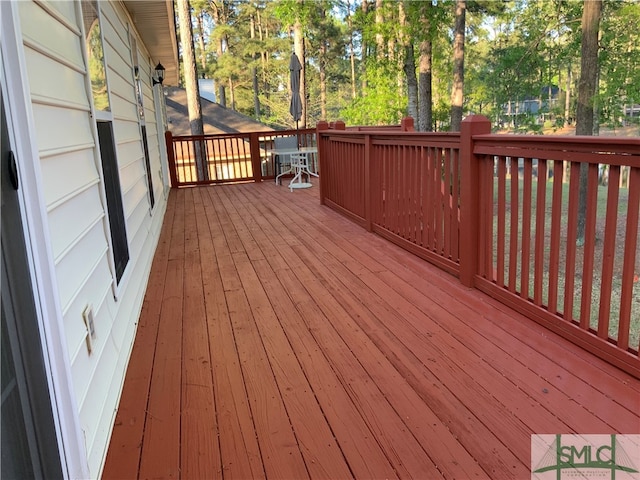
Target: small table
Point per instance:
(302, 153)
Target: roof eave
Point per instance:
(154, 21)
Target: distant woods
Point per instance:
(376, 61)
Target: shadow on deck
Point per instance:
(280, 340)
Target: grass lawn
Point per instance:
(594, 295)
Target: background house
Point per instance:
(215, 118)
(83, 198)
(537, 108)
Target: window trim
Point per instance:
(103, 116)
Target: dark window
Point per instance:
(114, 197)
(147, 165)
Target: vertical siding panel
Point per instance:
(64, 130)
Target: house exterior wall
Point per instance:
(74, 204)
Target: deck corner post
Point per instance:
(407, 124)
(320, 127)
(340, 125)
(254, 149)
(171, 159)
(469, 197)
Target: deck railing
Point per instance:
(502, 213)
(227, 158)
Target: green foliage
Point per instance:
(619, 61)
(97, 68)
(515, 51)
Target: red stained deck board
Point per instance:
(161, 447)
(322, 456)
(126, 440)
(360, 448)
(241, 457)
(288, 318)
(278, 446)
(585, 393)
(577, 416)
(405, 402)
(200, 449)
(408, 461)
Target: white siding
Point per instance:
(76, 205)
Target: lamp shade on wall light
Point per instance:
(159, 74)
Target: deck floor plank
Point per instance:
(384, 378)
(200, 449)
(280, 340)
(281, 453)
(161, 442)
(241, 456)
(619, 419)
(129, 427)
(404, 401)
(366, 458)
(514, 428)
(322, 456)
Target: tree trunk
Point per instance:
(409, 66)
(402, 60)
(567, 97)
(365, 8)
(425, 92)
(263, 34)
(412, 81)
(588, 67)
(323, 81)
(203, 53)
(352, 55)
(218, 19)
(254, 74)
(458, 67)
(379, 37)
(587, 88)
(233, 94)
(191, 85)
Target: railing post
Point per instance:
(320, 127)
(367, 184)
(407, 124)
(254, 149)
(171, 159)
(339, 125)
(469, 197)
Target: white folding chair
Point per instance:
(300, 167)
(283, 161)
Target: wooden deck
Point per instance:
(280, 340)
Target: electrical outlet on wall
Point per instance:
(87, 316)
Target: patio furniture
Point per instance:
(288, 153)
(281, 152)
(300, 167)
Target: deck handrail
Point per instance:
(476, 205)
(226, 157)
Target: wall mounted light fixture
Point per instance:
(159, 75)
